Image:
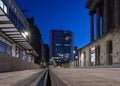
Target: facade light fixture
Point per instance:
(74, 52)
(26, 33)
(29, 51)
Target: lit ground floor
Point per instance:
(14, 38)
(15, 55)
(7, 46)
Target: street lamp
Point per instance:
(74, 57)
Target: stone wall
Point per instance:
(114, 36)
(9, 63)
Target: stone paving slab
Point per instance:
(89, 77)
(12, 78)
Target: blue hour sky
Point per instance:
(60, 14)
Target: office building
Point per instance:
(61, 44)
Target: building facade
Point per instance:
(15, 32)
(105, 49)
(61, 44)
(46, 54)
(75, 57)
(36, 40)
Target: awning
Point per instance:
(9, 29)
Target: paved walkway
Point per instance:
(89, 77)
(18, 77)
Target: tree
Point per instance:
(54, 62)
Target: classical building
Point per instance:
(61, 44)
(14, 32)
(105, 49)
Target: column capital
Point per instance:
(98, 8)
(91, 13)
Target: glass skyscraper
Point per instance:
(61, 44)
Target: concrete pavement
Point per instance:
(64, 77)
(19, 78)
(88, 77)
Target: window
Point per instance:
(109, 52)
(92, 56)
(8, 49)
(1, 4)
(13, 18)
(5, 48)
(2, 47)
(5, 9)
(58, 44)
(66, 44)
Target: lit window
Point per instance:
(66, 44)
(58, 44)
(1, 4)
(5, 9)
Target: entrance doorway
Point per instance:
(84, 58)
(109, 53)
(97, 54)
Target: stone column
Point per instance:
(105, 17)
(92, 26)
(98, 22)
(117, 12)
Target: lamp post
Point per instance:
(74, 58)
